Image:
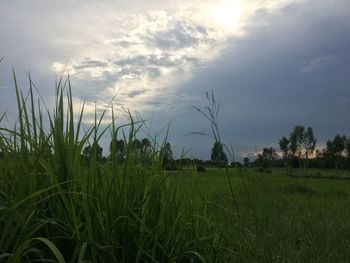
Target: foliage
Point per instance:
(117, 149)
(246, 161)
(301, 145)
(218, 155)
(337, 150)
(168, 158)
(266, 158)
(211, 112)
(92, 150)
(281, 218)
(55, 207)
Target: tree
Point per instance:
(266, 158)
(94, 150)
(246, 161)
(145, 150)
(136, 144)
(167, 155)
(217, 154)
(269, 154)
(296, 138)
(302, 143)
(336, 149)
(284, 147)
(136, 149)
(309, 143)
(119, 149)
(347, 146)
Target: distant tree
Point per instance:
(284, 147)
(269, 154)
(136, 144)
(246, 161)
(119, 149)
(336, 149)
(266, 158)
(309, 144)
(217, 154)
(136, 149)
(296, 139)
(87, 152)
(145, 150)
(168, 157)
(347, 146)
(302, 143)
(91, 150)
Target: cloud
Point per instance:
(283, 62)
(317, 64)
(135, 93)
(159, 49)
(180, 35)
(151, 52)
(88, 63)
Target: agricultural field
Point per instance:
(274, 217)
(61, 202)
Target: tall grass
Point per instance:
(56, 208)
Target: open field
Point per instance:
(277, 218)
(59, 205)
(151, 215)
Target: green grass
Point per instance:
(56, 207)
(281, 219)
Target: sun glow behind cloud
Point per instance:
(145, 56)
(228, 14)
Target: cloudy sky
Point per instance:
(272, 64)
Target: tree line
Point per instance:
(299, 151)
(142, 152)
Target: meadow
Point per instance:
(56, 206)
(274, 217)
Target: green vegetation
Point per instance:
(61, 202)
(301, 145)
(278, 218)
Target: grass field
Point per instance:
(277, 218)
(57, 207)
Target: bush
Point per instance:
(200, 168)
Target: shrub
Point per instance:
(200, 168)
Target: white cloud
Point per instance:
(317, 64)
(145, 55)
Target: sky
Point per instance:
(272, 64)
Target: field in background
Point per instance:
(58, 205)
(278, 218)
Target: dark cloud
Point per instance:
(178, 36)
(153, 61)
(291, 67)
(316, 64)
(135, 93)
(91, 64)
(259, 84)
